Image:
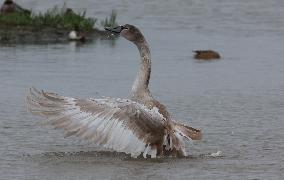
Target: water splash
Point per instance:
(217, 154)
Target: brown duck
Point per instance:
(206, 54)
(10, 6)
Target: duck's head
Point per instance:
(128, 31)
(8, 2)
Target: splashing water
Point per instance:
(217, 154)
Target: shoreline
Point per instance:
(27, 34)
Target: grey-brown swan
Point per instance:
(138, 125)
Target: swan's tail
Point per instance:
(187, 131)
(173, 140)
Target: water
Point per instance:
(237, 101)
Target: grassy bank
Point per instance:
(59, 18)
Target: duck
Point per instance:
(76, 35)
(138, 125)
(69, 11)
(9, 6)
(206, 55)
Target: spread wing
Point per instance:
(119, 124)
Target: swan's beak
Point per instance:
(116, 30)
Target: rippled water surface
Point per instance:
(237, 101)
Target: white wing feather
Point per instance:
(120, 124)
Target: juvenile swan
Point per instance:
(138, 125)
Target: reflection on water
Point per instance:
(95, 156)
(238, 101)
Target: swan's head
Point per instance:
(128, 31)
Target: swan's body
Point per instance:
(137, 125)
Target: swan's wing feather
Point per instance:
(119, 124)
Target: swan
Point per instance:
(139, 125)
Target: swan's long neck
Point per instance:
(140, 85)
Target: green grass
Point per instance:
(55, 18)
(111, 21)
(62, 21)
(19, 19)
